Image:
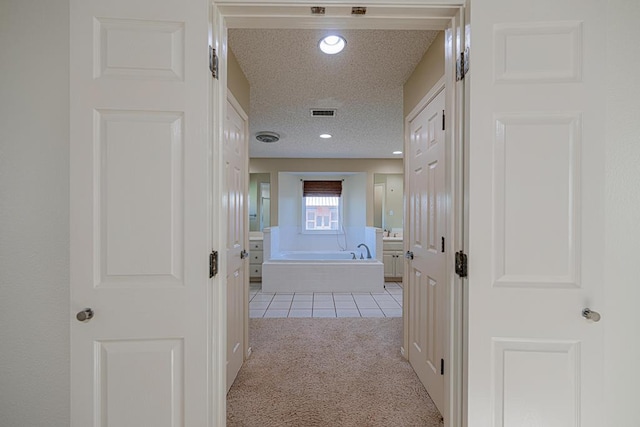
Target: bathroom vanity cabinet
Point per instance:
(255, 260)
(392, 258)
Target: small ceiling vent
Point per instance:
(267, 137)
(324, 112)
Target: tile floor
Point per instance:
(326, 304)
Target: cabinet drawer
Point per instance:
(392, 246)
(255, 270)
(255, 257)
(255, 245)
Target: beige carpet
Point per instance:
(328, 372)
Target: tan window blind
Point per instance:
(322, 188)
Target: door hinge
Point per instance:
(441, 366)
(443, 119)
(213, 62)
(462, 65)
(213, 264)
(461, 264)
(442, 249)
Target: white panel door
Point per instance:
(236, 172)
(139, 243)
(427, 224)
(536, 213)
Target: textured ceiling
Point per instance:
(289, 76)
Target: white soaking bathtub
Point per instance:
(321, 272)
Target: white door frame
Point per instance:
(218, 315)
(436, 15)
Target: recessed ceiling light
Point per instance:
(397, 152)
(325, 136)
(332, 44)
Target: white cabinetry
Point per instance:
(255, 260)
(392, 258)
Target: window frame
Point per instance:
(304, 217)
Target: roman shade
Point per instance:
(322, 188)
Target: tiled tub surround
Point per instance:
(387, 303)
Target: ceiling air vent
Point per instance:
(323, 112)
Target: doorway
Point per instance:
(235, 16)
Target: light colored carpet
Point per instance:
(328, 372)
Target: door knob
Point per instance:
(591, 315)
(244, 254)
(408, 255)
(85, 315)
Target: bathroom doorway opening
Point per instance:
(235, 17)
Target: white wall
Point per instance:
(34, 170)
(368, 166)
(620, 315)
(355, 200)
(34, 213)
(290, 213)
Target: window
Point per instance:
(321, 205)
(322, 213)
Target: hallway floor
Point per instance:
(342, 372)
(326, 304)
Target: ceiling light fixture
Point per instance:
(267, 137)
(325, 136)
(397, 152)
(332, 44)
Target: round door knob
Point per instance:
(589, 314)
(85, 315)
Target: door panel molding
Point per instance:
(140, 216)
(536, 224)
(427, 221)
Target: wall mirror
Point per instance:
(388, 212)
(259, 201)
